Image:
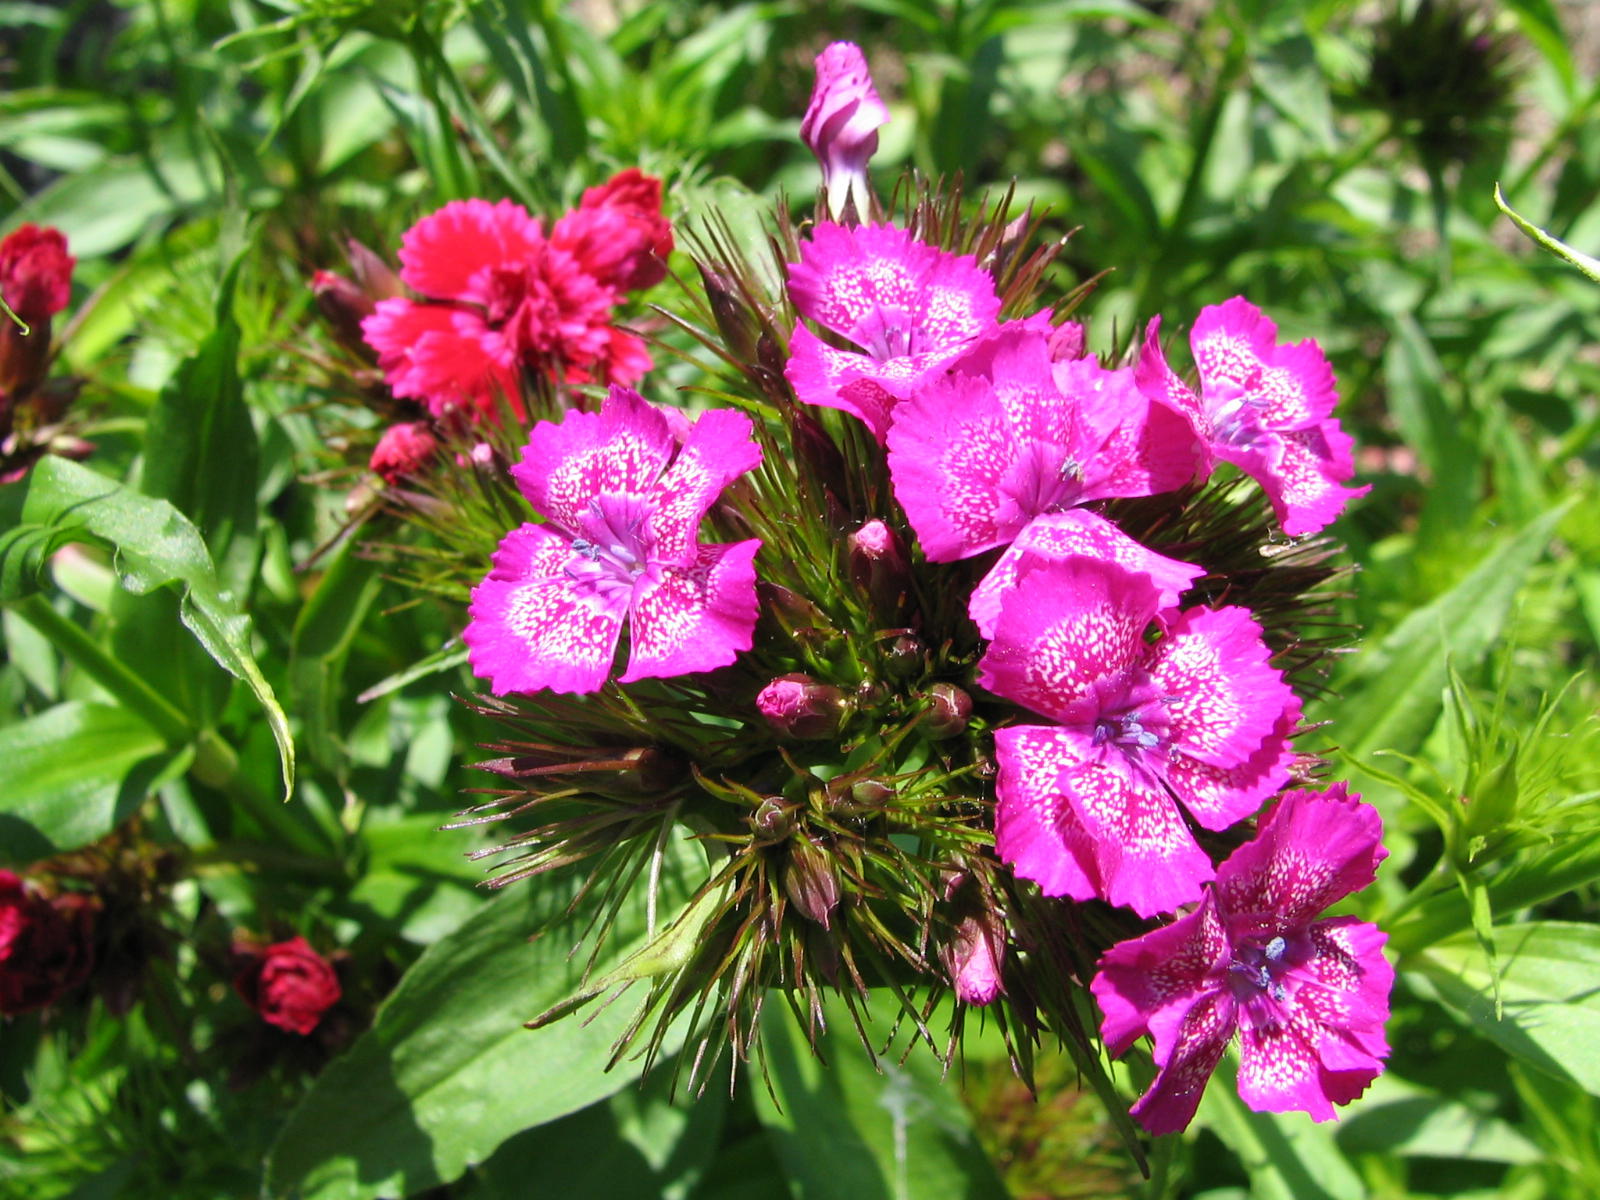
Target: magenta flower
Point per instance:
(841, 126)
(912, 308)
(1088, 807)
(976, 457)
(1308, 998)
(622, 503)
(1265, 408)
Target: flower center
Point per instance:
(1256, 969)
(1237, 419)
(611, 550)
(1141, 727)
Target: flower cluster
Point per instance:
(952, 637)
(46, 945)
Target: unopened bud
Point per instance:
(773, 820)
(841, 128)
(404, 450)
(1066, 342)
(737, 324)
(973, 957)
(878, 566)
(810, 880)
(373, 275)
(949, 708)
(800, 707)
(343, 305)
(906, 657)
(871, 794)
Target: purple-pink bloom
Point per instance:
(841, 126)
(911, 307)
(1308, 998)
(622, 503)
(976, 456)
(1265, 408)
(1088, 807)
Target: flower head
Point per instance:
(1308, 998)
(403, 450)
(1087, 806)
(841, 127)
(1266, 408)
(976, 456)
(622, 503)
(501, 297)
(36, 281)
(288, 983)
(911, 307)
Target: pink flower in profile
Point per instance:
(500, 298)
(622, 503)
(841, 127)
(1265, 408)
(976, 457)
(617, 232)
(1088, 807)
(1307, 998)
(911, 307)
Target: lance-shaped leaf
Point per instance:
(155, 546)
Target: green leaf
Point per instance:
(155, 547)
(323, 634)
(1395, 692)
(1285, 1156)
(1550, 1006)
(846, 1128)
(73, 772)
(447, 1073)
(1396, 1117)
(1589, 266)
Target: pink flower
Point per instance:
(912, 308)
(799, 706)
(1088, 807)
(622, 503)
(1265, 408)
(404, 449)
(841, 127)
(1308, 998)
(617, 232)
(977, 456)
(502, 298)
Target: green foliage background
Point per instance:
(203, 158)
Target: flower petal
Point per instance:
(1188, 1051)
(566, 467)
(1236, 348)
(720, 448)
(696, 618)
(1170, 965)
(530, 626)
(1035, 830)
(441, 253)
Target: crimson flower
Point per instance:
(288, 983)
(46, 948)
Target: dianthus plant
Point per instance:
(950, 646)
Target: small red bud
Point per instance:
(949, 709)
(798, 706)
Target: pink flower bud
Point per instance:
(404, 450)
(810, 880)
(841, 127)
(343, 306)
(879, 568)
(799, 706)
(973, 957)
(36, 281)
(374, 276)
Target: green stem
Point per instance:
(137, 696)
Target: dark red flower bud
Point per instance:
(617, 232)
(906, 657)
(811, 881)
(799, 706)
(773, 820)
(949, 709)
(404, 450)
(46, 947)
(288, 983)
